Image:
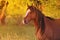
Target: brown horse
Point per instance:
(3, 7)
(46, 28)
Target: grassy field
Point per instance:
(15, 32)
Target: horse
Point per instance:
(3, 7)
(47, 28)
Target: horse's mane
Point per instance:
(42, 23)
(41, 20)
(50, 18)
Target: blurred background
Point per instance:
(14, 11)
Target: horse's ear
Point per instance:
(28, 5)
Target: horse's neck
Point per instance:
(48, 21)
(41, 25)
(37, 26)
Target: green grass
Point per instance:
(15, 32)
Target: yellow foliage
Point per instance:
(51, 7)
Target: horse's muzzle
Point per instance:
(25, 22)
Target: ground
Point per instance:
(15, 32)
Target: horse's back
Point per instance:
(57, 22)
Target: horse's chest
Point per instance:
(38, 34)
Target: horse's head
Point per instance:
(30, 14)
(37, 16)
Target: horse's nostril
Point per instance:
(24, 22)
